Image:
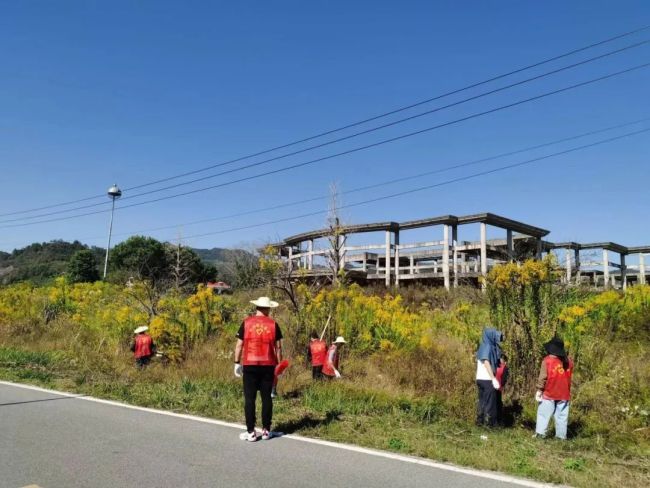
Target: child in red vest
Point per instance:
(502, 378)
(554, 389)
(316, 354)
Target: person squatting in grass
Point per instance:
(331, 365)
(143, 347)
(488, 358)
(316, 355)
(258, 351)
(554, 389)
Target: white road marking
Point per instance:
(347, 447)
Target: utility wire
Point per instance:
(345, 138)
(349, 151)
(427, 187)
(354, 124)
(388, 182)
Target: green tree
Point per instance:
(82, 267)
(141, 257)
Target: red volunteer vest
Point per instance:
(143, 343)
(558, 381)
(330, 366)
(499, 376)
(259, 341)
(318, 350)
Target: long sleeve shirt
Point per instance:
(541, 379)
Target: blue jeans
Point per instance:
(559, 409)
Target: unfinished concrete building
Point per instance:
(448, 259)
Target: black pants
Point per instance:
(258, 378)
(317, 372)
(142, 362)
(499, 407)
(487, 403)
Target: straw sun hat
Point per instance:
(142, 328)
(340, 340)
(264, 302)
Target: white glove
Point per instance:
(336, 373)
(495, 383)
(238, 370)
(538, 396)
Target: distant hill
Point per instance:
(218, 255)
(224, 260)
(40, 262)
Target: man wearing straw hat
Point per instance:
(258, 351)
(142, 346)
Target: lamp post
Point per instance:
(113, 193)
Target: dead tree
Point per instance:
(336, 238)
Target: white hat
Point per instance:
(142, 328)
(339, 340)
(264, 302)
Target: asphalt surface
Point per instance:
(52, 441)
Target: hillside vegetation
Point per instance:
(40, 263)
(408, 370)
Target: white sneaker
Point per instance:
(248, 436)
(266, 435)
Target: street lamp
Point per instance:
(113, 193)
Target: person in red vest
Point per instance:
(316, 354)
(258, 351)
(331, 365)
(142, 347)
(554, 389)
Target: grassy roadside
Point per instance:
(346, 412)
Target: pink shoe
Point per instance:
(266, 435)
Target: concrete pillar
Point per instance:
(387, 268)
(342, 252)
(577, 260)
(397, 258)
(290, 263)
(484, 253)
(623, 272)
(538, 249)
(567, 257)
(365, 262)
(445, 255)
(605, 268)
(411, 264)
(454, 243)
(310, 256)
(510, 245)
(641, 269)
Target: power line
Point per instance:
(334, 141)
(392, 181)
(350, 151)
(427, 187)
(354, 124)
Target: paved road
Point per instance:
(55, 441)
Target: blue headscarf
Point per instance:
(489, 348)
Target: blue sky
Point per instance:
(94, 93)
